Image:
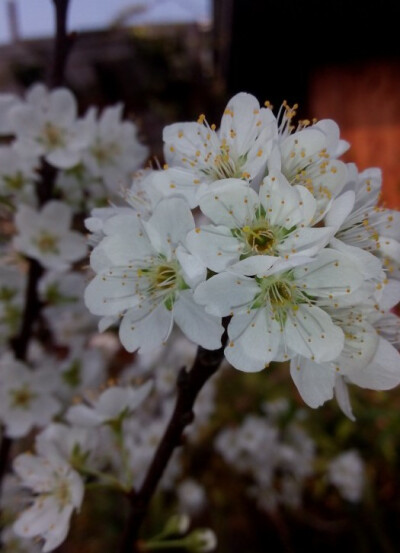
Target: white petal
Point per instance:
(62, 106)
(310, 332)
(230, 202)
(241, 116)
(343, 398)
(193, 270)
(309, 204)
(63, 158)
(177, 181)
(184, 140)
(391, 295)
(57, 215)
(254, 338)
(383, 373)
(282, 202)
(39, 518)
(115, 400)
(125, 249)
(360, 345)
(169, 225)
(369, 265)
(56, 534)
(340, 209)
(105, 295)
(145, 329)
(306, 241)
(314, 381)
(34, 471)
(223, 293)
(254, 265)
(215, 246)
(390, 247)
(81, 415)
(72, 246)
(331, 274)
(200, 327)
(24, 119)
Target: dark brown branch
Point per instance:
(62, 43)
(189, 385)
(31, 311)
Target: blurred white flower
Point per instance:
(46, 124)
(191, 496)
(26, 397)
(346, 473)
(58, 491)
(45, 235)
(114, 151)
(112, 406)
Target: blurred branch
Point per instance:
(62, 43)
(189, 385)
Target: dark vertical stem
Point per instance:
(189, 385)
(31, 311)
(62, 43)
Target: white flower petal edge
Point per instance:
(314, 381)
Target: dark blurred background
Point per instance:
(170, 60)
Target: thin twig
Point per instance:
(189, 385)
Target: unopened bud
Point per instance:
(201, 541)
(177, 524)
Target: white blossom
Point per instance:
(26, 397)
(57, 491)
(191, 496)
(346, 473)
(46, 124)
(272, 225)
(146, 276)
(114, 151)
(112, 405)
(197, 153)
(17, 175)
(276, 315)
(45, 235)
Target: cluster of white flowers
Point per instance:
(45, 143)
(278, 461)
(96, 154)
(278, 458)
(108, 436)
(256, 227)
(290, 244)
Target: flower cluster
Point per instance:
(260, 223)
(278, 458)
(254, 237)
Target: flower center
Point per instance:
(46, 242)
(53, 137)
(278, 293)
(260, 238)
(164, 277)
(22, 397)
(62, 494)
(105, 153)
